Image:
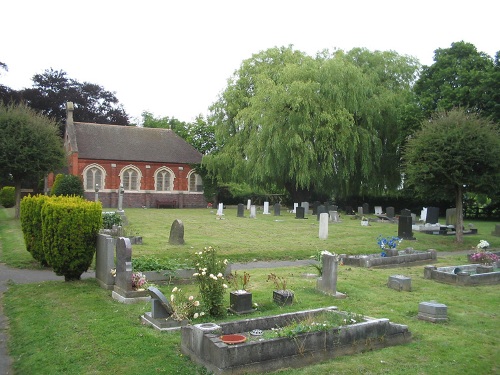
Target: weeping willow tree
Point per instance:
(300, 123)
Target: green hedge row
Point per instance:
(61, 232)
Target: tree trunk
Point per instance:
(17, 186)
(459, 229)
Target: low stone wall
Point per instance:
(461, 275)
(205, 346)
(376, 260)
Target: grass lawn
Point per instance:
(77, 328)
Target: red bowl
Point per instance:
(233, 339)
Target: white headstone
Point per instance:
(423, 214)
(220, 209)
(266, 208)
(249, 203)
(295, 205)
(334, 216)
(323, 226)
(253, 212)
(378, 210)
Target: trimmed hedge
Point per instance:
(8, 196)
(31, 225)
(67, 185)
(70, 226)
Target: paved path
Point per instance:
(24, 276)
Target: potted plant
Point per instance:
(281, 295)
(240, 299)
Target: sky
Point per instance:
(173, 58)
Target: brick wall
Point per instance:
(149, 200)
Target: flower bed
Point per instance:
(203, 342)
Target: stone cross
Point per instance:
(176, 233)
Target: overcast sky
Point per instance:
(174, 58)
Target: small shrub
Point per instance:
(67, 185)
(111, 218)
(8, 196)
(211, 281)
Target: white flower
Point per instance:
(224, 286)
(196, 303)
(203, 273)
(172, 297)
(202, 313)
(175, 290)
(326, 252)
(196, 274)
(191, 298)
(225, 262)
(195, 315)
(219, 275)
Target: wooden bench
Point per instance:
(166, 203)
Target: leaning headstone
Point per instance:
(320, 210)
(266, 208)
(432, 312)
(299, 213)
(323, 226)
(277, 209)
(306, 207)
(496, 232)
(389, 211)
(176, 233)
(399, 283)
(241, 210)
(366, 208)
(405, 230)
(327, 283)
(451, 217)
(161, 313)
(378, 210)
(253, 212)
(432, 215)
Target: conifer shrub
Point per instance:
(70, 226)
(67, 185)
(31, 225)
(8, 196)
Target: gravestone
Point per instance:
(121, 191)
(366, 208)
(432, 215)
(405, 212)
(399, 283)
(161, 313)
(432, 312)
(295, 205)
(423, 214)
(360, 210)
(123, 278)
(323, 226)
(249, 204)
(241, 210)
(348, 210)
(277, 209)
(299, 213)
(176, 233)
(451, 217)
(405, 230)
(378, 210)
(496, 232)
(306, 207)
(334, 216)
(220, 209)
(334, 207)
(266, 208)
(389, 211)
(253, 212)
(320, 210)
(316, 204)
(327, 283)
(105, 261)
(413, 218)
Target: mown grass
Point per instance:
(77, 328)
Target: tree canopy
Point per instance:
(460, 77)
(307, 124)
(454, 153)
(29, 146)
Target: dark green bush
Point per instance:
(67, 185)
(8, 196)
(70, 226)
(31, 225)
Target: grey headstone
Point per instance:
(451, 216)
(323, 226)
(316, 204)
(432, 215)
(432, 311)
(176, 233)
(123, 278)
(327, 283)
(105, 261)
(496, 232)
(277, 209)
(366, 208)
(405, 212)
(299, 213)
(405, 230)
(321, 210)
(306, 207)
(160, 307)
(241, 210)
(389, 211)
(399, 283)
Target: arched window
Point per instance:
(195, 183)
(93, 175)
(130, 178)
(164, 179)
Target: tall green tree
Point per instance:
(30, 146)
(304, 124)
(460, 76)
(454, 153)
(53, 89)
